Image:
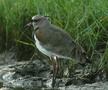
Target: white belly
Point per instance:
(44, 51)
(41, 49)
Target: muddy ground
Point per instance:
(36, 75)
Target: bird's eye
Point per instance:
(34, 20)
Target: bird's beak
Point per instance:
(28, 25)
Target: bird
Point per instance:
(55, 43)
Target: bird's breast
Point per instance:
(41, 48)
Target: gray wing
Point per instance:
(56, 40)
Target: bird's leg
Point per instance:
(56, 66)
(53, 79)
(55, 70)
(58, 69)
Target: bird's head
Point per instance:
(36, 21)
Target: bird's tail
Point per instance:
(81, 55)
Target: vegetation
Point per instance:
(85, 20)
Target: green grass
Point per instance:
(85, 20)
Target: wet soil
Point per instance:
(36, 75)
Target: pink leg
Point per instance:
(56, 66)
(55, 70)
